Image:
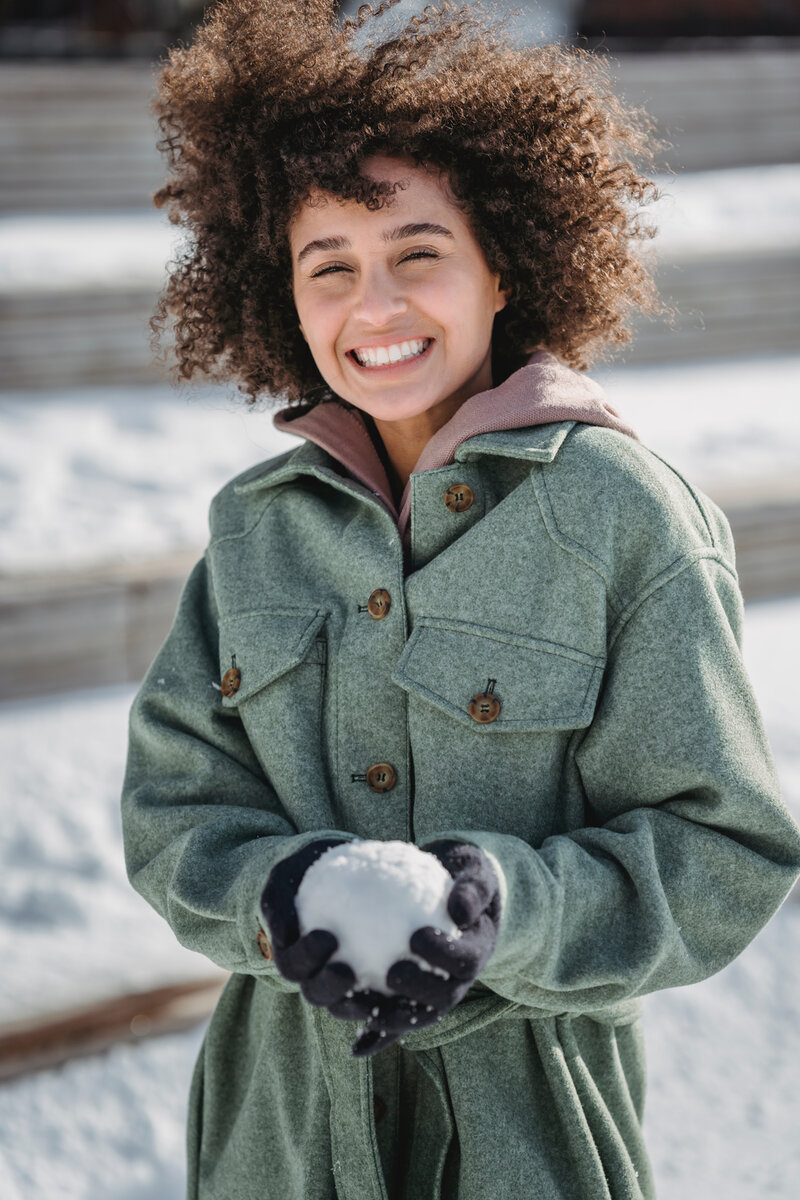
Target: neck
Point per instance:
(405, 439)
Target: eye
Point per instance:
(328, 270)
(419, 254)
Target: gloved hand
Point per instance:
(424, 996)
(304, 960)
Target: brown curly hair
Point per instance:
(275, 99)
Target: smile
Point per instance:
(370, 357)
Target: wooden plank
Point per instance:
(48, 1042)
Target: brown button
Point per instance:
(263, 944)
(381, 777)
(459, 497)
(379, 603)
(484, 708)
(378, 1106)
(231, 681)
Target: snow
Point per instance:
(771, 651)
(72, 930)
(372, 896)
(722, 1104)
(731, 211)
(720, 1120)
(728, 425)
(85, 251)
(105, 1128)
(119, 474)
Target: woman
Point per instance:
(470, 611)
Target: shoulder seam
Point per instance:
(692, 492)
(232, 537)
(675, 568)
(266, 467)
(710, 550)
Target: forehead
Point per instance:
(422, 191)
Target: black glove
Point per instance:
(304, 960)
(424, 997)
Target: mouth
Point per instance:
(390, 358)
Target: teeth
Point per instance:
(379, 356)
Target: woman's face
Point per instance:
(397, 304)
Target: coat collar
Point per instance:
(537, 443)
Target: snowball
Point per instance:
(373, 895)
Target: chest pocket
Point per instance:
(258, 648)
(539, 684)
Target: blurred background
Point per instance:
(106, 472)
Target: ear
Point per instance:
(502, 297)
(300, 327)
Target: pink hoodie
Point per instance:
(543, 390)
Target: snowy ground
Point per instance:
(722, 1109)
(732, 211)
(105, 1128)
(71, 928)
(110, 474)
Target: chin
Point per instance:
(389, 408)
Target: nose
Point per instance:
(378, 299)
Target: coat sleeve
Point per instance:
(202, 826)
(688, 848)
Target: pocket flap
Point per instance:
(540, 684)
(263, 645)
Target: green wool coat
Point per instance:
(625, 794)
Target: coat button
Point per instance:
(263, 944)
(484, 708)
(381, 777)
(459, 497)
(378, 1106)
(379, 603)
(231, 681)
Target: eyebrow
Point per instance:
(398, 234)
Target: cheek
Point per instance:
(319, 325)
(441, 300)
(460, 301)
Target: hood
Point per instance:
(542, 391)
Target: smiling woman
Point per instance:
(471, 612)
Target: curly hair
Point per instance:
(272, 101)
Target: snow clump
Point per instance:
(373, 895)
